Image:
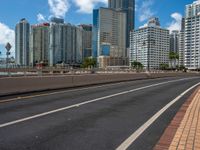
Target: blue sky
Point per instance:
(80, 11)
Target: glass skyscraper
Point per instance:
(127, 6)
(109, 37)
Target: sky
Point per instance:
(77, 12)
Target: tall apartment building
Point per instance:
(22, 33)
(192, 36)
(127, 6)
(109, 37)
(182, 43)
(87, 40)
(174, 41)
(39, 44)
(65, 43)
(150, 45)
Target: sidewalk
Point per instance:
(183, 133)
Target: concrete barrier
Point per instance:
(21, 85)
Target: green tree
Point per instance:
(137, 65)
(89, 63)
(173, 57)
(164, 66)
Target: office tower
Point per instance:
(109, 37)
(150, 45)
(87, 40)
(182, 43)
(22, 34)
(174, 41)
(192, 36)
(65, 43)
(39, 44)
(127, 6)
(95, 33)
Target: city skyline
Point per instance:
(78, 12)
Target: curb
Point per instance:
(169, 133)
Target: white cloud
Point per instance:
(7, 35)
(86, 6)
(145, 25)
(145, 11)
(41, 18)
(176, 23)
(59, 8)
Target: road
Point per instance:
(103, 117)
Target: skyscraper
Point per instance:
(150, 45)
(87, 40)
(192, 36)
(128, 6)
(56, 39)
(22, 32)
(39, 44)
(174, 41)
(109, 37)
(65, 43)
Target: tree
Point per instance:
(164, 66)
(182, 68)
(137, 65)
(173, 57)
(89, 63)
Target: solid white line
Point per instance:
(140, 130)
(84, 103)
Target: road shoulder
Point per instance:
(184, 130)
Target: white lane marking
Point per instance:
(131, 139)
(84, 103)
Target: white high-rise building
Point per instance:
(182, 44)
(150, 45)
(192, 36)
(22, 33)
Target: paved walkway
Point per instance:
(183, 133)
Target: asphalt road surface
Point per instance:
(125, 115)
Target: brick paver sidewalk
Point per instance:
(183, 133)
